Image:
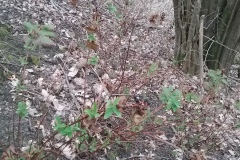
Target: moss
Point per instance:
(2, 45)
(4, 32)
(34, 59)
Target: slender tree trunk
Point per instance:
(221, 33)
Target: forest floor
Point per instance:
(131, 57)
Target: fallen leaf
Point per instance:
(30, 70)
(33, 112)
(81, 63)
(96, 129)
(92, 45)
(72, 46)
(96, 17)
(67, 151)
(153, 18)
(122, 102)
(70, 34)
(40, 82)
(163, 15)
(46, 96)
(8, 152)
(91, 29)
(57, 87)
(73, 2)
(60, 55)
(78, 81)
(109, 85)
(138, 116)
(87, 122)
(73, 71)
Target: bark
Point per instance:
(221, 33)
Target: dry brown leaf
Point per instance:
(162, 18)
(122, 102)
(57, 87)
(91, 29)
(72, 46)
(87, 122)
(10, 151)
(153, 18)
(109, 85)
(73, 2)
(197, 156)
(97, 17)
(92, 45)
(138, 116)
(96, 129)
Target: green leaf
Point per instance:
(93, 60)
(126, 90)
(92, 112)
(93, 145)
(27, 40)
(111, 107)
(152, 68)
(91, 37)
(43, 40)
(58, 124)
(29, 26)
(118, 16)
(117, 112)
(82, 146)
(106, 142)
(48, 27)
(35, 60)
(111, 8)
(21, 87)
(224, 81)
(46, 33)
(117, 140)
(108, 113)
(166, 93)
(158, 121)
(193, 97)
(89, 113)
(22, 109)
(237, 105)
(115, 102)
(63, 129)
(238, 124)
(171, 98)
(23, 61)
(67, 131)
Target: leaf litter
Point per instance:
(151, 42)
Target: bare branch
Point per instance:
(221, 44)
(201, 52)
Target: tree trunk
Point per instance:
(221, 33)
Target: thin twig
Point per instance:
(221, 44)
(166, 142)
(36, 132)
(122, 94)
(235, 79)
(70, 91)
(97, 75)
(10, 64)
